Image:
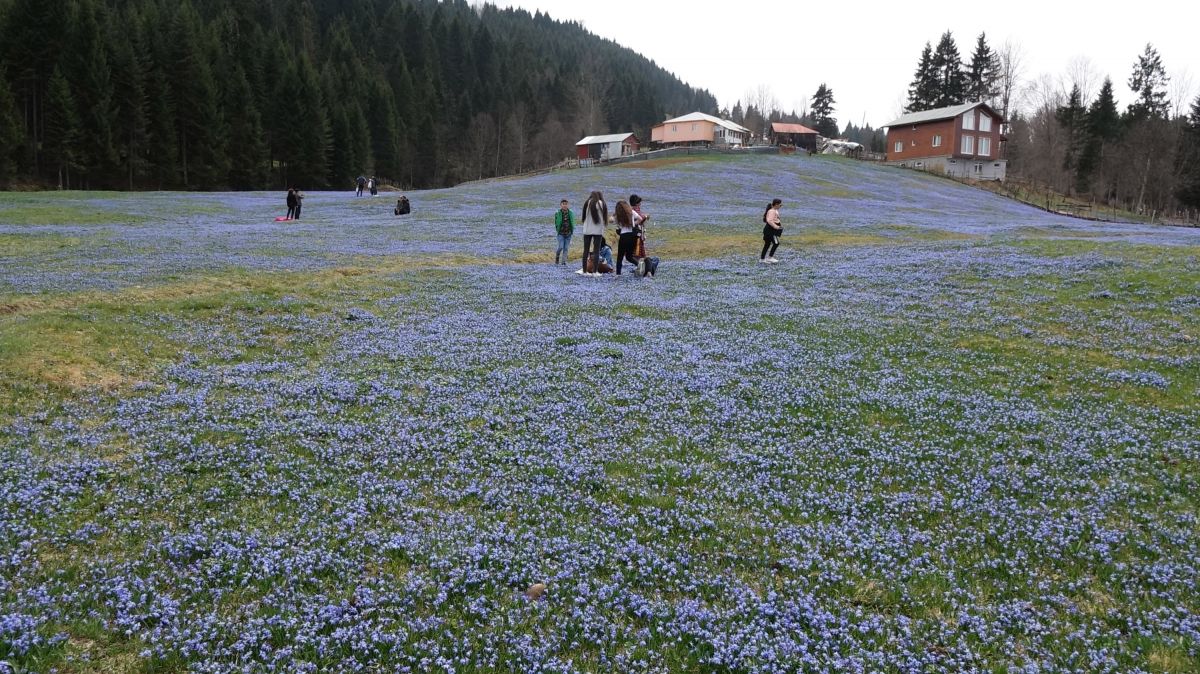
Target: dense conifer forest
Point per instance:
(254, 94)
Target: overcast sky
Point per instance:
(869, 52)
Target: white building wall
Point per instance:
(958, 167)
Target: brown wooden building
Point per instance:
(964, 141)
(796, 135)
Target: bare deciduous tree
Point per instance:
(1182, 88)
(1082, 72)
(481, 138)
(763, 99)
(1012, 70)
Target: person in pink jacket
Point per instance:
(772, 230)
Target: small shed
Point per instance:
(796, 135)
(607, 147)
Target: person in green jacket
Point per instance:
(564, 227)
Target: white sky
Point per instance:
(867, 51)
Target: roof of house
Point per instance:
(604, 140)
(780, 127)
(937, 114)
(701, 117)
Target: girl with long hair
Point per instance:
(627, 243)
(772, 230)
(593, 219)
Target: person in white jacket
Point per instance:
(593, 219)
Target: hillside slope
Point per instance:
(708, 207)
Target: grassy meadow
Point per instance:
(947, 433)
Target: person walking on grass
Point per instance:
(593, 219)
(772, 230)
(564, 229)
(627, 243)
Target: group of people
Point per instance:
(630, 220)
(369, 184)
(631, 235)
(295, 200)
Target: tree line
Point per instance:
(256, 94)
(1070, 138)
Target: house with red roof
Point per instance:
(796, 135)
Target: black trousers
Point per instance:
(771, 244)
(590, 241)
(626, 247)
(297, 215)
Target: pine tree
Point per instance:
(310, 163)
(384, 131)
(92, 90)
(161, 141)
(1103, 128)
(948, 71)
(61, 129)
(202, 136)
(10, 131)
(248, 157)
(426, 164)
(1072, 118)
(822, 111)
(982, 73)
(1149, 83)
(32, 43)
(923, 91)
(130, 130)
(1188, 191)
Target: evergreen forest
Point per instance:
(262, 94)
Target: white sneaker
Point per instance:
(772, 260)
(764, 260)
(579, 271)
(597, 274)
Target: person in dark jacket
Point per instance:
(291, 203)
(564, 229)
(402, 206)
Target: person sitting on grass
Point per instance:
(605, 261)
(402, 206)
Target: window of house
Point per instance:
(937, 141)
(899, 146)
(985, 147)
(985, 122)
(979, 168)
(969, 121)
(968, 145)
(674, 127)
(693, 127)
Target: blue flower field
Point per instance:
(946, 433)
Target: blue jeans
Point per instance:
(606, 255)
(564, 244)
